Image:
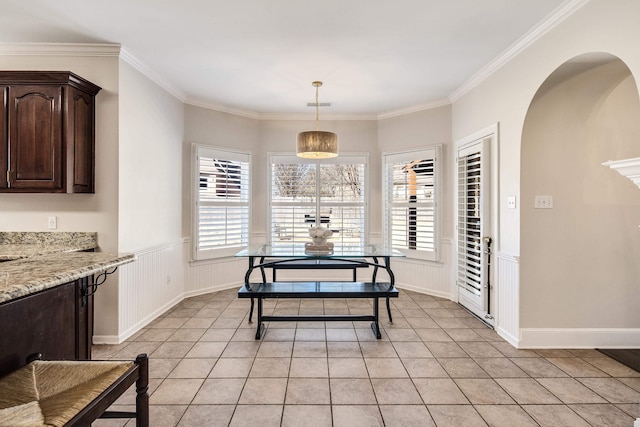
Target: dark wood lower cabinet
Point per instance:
(57, 322)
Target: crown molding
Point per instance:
(561, 13)
(414, 109)
(60, 49)
(323, 118)
(222, 108)
(132, 60)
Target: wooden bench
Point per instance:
(374, 291)
(72, 392)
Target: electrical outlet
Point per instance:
(543, 202)
(52, 222)
(511, 202)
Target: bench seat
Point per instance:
(373, 290)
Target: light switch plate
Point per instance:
(543, 202)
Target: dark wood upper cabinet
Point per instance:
(48, 132)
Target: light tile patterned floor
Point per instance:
(436, 365)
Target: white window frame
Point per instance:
(198, 150)
(291, 158)
(388, 158)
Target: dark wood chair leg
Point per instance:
(142, 388)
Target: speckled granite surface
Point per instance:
(17, 245)
(27, 276)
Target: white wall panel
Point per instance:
(508, 294)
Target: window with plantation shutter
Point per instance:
(305, 193)
(222, 202)
(411, 190)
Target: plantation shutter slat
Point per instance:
(410, 200)
(222, 201)
(304, 193)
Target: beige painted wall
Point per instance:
(580, 259)
(504, 98)
(151, 129)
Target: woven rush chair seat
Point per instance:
(59, 393)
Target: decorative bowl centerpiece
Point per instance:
(319, 244)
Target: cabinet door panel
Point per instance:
(35, 136)
(4, 148)
(80, 142)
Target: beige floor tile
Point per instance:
(357, 416)
(206, 349)
(553, 352)
(237, 348)
(577, 367)
(347, 367)
(538, 367)
(366, 334)
(341, 334)
(396, 334)
(257, 415)
(634, 383)
(161, 368)
(309, 367)
(275, 349)
(271, 367)
(603, 415)
(385, 367)
(310, 349)
(193, 368)
(169, 350)
(182, 312)
(219, 391)
(306, 416)
(510, 351)
(462, 367)
(463, 334)
(527, 391)
(555, 415)
(505, 416)
(199, 322)
(308, 391)
(352, 391)
(406, 416)
(479, 349)
(500, 367)
(439, 391)
(310, 334)
(378, 349)
(279, 334)
(569, 390)
(263, 391)
(421, 323)
(456, 416)
(446, 349)
(168, 322)
(187, 334)
(135, 348)
(244, 334)
(395, 391)
(218, 334)
(344, 349)
(612, 390)
(484, 392)
(411, 349)
(631, 409)
(227, 322)
(450, 322)
(433, 335)
(155, 334)
(424, 368)
(207, 415)
(612, 367)
(175, 391)
(232, 367)
(165, 415)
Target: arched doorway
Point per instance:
(580, 245)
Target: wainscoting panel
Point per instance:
(147, 288)
(508, 287)
(214, 275)
(432, 278)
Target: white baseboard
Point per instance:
(579, 338)
(421, 290)
(216, 288)
(508, 337)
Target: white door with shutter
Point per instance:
(474, 228)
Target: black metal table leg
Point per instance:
(260, 327)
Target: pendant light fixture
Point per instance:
(317, 144)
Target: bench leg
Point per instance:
(374, 325)
(260, 328)
(142, 388)
(389, 310)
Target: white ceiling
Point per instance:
(260, 56)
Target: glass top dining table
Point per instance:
(297, 250)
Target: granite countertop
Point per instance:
(27, 276)
(18, 245)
